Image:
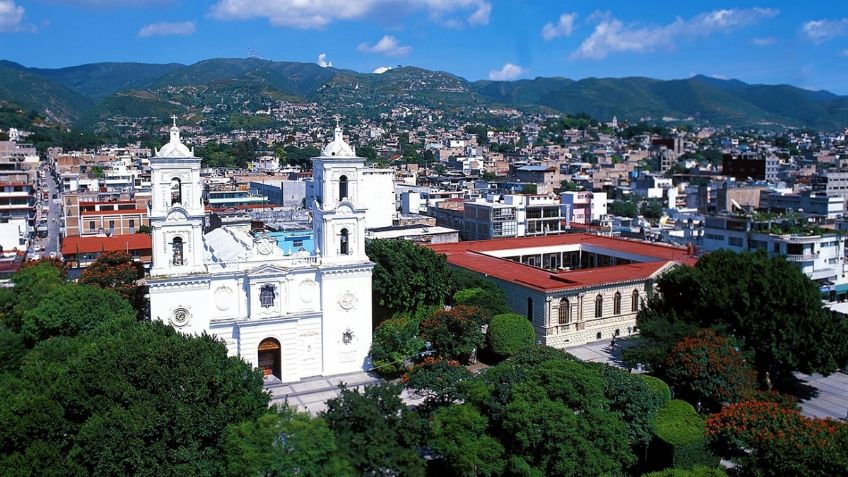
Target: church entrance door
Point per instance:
(270, 358)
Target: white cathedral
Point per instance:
(293, 316)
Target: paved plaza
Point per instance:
(311, 394)
(831, 395)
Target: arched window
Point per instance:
(616, 304)
(530, 308)
(599, 306)
(267, 295)
(564, 311)
(344, 247)
(177, 246)
(176, 191)
(634, 301)
(342, 187)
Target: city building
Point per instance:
(574, 288)
(750, 166)
(293, 316)
(819, 253)
(499, 216)
(95, 217)
(286, 193)
(583, 207)
(80, 252)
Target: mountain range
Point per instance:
(89, 95)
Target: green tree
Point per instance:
(454, 333)
(437, 381)
(283, 442)
(509, 333)
(32, 282)
(394, 342)
(770, 308)
(706, 368)
(375, 431)
(459, 435)
(145, 229)
(623, 208)
(125, 399)
(490, 300)
(651, 209)
(73, 309)
(406, 275)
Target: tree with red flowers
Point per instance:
(116, 271)
(764, 439)
(705, 367)
(455, 333)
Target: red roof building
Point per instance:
(575, 288)
(80, 252)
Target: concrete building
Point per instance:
(498, 216)
(819, 253)
(286, 193)
(751, 166)
(832, 184)
(293, 316)
(807, 204)
(574, 288)
(583, 207)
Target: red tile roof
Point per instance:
(74, 245)
(471, 255)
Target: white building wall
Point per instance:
(376, 195)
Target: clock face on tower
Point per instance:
(265, 247)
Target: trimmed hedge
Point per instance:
(509, 333)
(490, 299)
(657, 386)
(697, 471)
(679, 438)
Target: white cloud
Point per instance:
(320, 13)
(11, 16)
(388, 45)
(381, 69)
(564, 27)
(820, 31)
(506, 73)
(167, 29)
(322, 60)
(612, 35)
(765, 41)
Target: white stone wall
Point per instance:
(376, 195)
(346, 304)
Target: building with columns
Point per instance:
(574, 288)
(293, 315)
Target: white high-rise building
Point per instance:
(294, 316)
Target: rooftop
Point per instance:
(486, 257)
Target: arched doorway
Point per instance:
(270, 358)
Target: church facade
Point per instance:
(294, 316)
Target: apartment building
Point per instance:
(499, 216)
(86, 217)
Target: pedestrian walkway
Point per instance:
(830, 396)
(311, 394)
(602, 352)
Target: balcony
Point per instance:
(807, 257)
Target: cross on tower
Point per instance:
(174, 117)
(337, 118)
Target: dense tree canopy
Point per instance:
(116, 271)
(765, 303)
(376, 432)
(455, 333)
(407, 276)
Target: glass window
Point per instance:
(267, 296)
(530, 308)
(564, 311)
(599, 306)
(616, 304)
(634, 301)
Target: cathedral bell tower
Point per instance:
(176, 210)
(338, 220)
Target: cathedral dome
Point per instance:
(175, 148)
(337, 147)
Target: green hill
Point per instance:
(98, 80)
(222, 92)
(34, 92)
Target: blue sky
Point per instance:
(800, 43)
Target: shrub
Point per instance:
(509, 333)
(707, 367)
(697, 471)
(765, 439)
(657, 386)
(395, 341)
(680, 439)
(454, 333)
